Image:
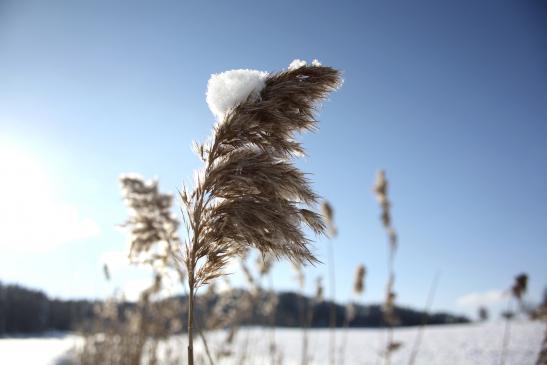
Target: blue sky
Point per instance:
(450, 99)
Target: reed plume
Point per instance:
(152, 227)
(359, 282)
(249, 193)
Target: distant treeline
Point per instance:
(24, 310)
(365, 315)
(292, 307)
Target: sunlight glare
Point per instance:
(31, 217)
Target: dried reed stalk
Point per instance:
(358, 290)
(427, 309)
(264, 266)
(269, 303)
(542, 315)
(304, 309)
(542, 357)
(308, 318)
(249, 194)
(517, 292)
(328, 214)
(390, 317)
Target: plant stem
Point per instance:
(190, 318)
(206, 346)
(273, 316)
(306, 317)
(390, 265)
(542, 356)
(342, 354)
(332, 315)
(191, 268)
(425, 317)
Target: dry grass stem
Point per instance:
(358, 290)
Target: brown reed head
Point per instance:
(250, 194)
(359, 283)
(328, 214)
(520, 286)
(381, 191)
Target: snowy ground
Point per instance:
(443, 345)
(49, 349)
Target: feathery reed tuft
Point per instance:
(249, 193)
(152, 227)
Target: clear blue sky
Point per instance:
(451, 99)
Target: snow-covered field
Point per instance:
(443, 345)
(47, 349)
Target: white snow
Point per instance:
(228, 89)
(441, 345)
(296, 64)
(47, 350)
